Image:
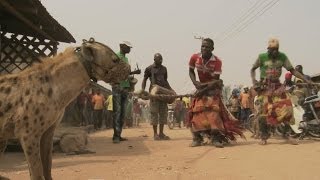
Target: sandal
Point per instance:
(217, 144)
(195, 143)
(164, 137)
(156, 137)
(123, 139)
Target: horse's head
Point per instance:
(102, 63)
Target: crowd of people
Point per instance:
(96, 109)
(205, 113)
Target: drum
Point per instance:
(163, 94)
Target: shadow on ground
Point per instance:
(103, 146)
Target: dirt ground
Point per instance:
(143, 158)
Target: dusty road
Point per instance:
(143, 158)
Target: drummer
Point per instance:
(157, 74)
(208, 113)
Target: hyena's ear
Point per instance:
(91, 40)
(87, 52)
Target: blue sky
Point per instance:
(169, 27)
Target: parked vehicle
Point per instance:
(310, 125)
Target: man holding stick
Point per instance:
(208, 114)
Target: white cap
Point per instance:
(273, 43)
(127, 43)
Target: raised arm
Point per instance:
(255, 66)
(288, 66)
(300, 76)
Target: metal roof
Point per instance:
(30, 17)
